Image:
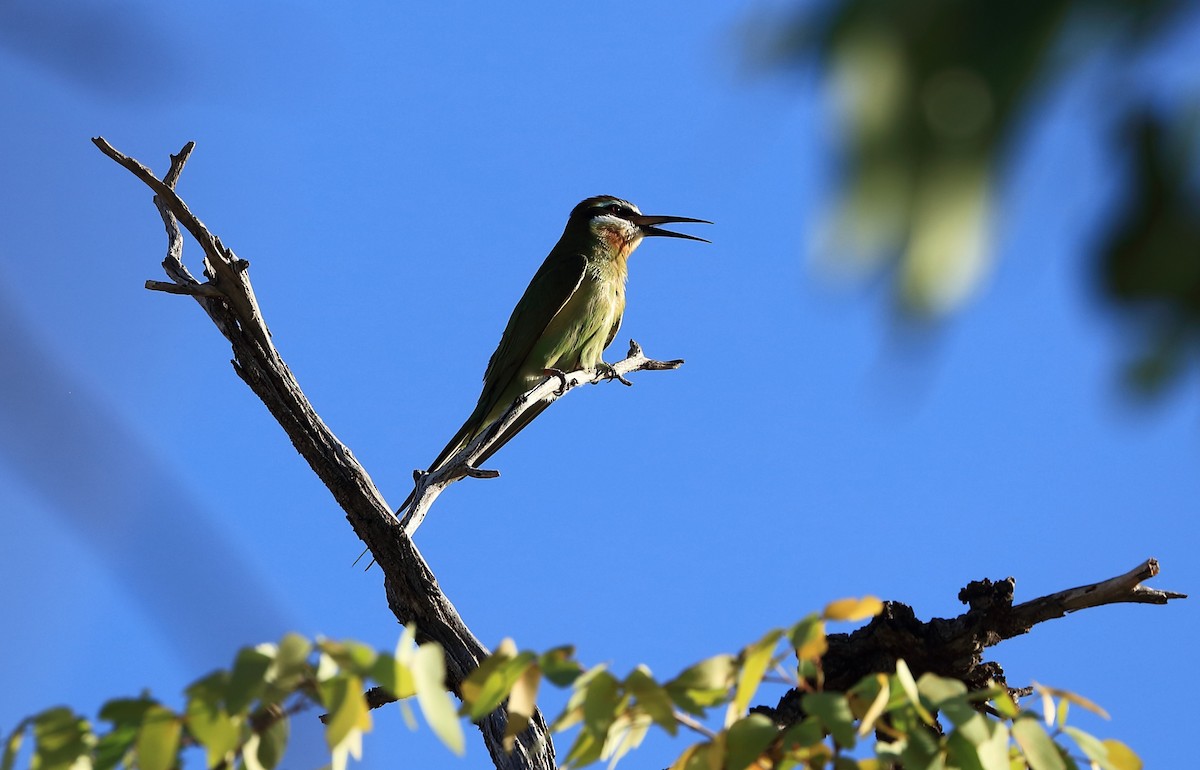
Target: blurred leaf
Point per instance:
(12, 744)
(342, 696)
(60, 738)
(704, 684)
(393, 676)
(246, 680)
(487, 686)
(755, 660)
(748, 738)
(904, 678)
(853, 609)
(211, 726)
(1120, 756)
(808, 638)
(1078, 700)
(652, 698)
(875, 690)
(353, 657)
(272, 743)
(834, 712)
(521, 704)
(559, 665)
(114, 746)
(158, 741)
(1040, 751)
(429, 677)
(128, 711)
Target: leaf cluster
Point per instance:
(239, 717)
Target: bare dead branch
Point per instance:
(412, 589)
(954, 647)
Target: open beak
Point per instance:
(646, 224)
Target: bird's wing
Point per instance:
(553, 284)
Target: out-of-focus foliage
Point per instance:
(929, 94)
(239, 717)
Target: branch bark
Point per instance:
(411, 587)
(954, 647)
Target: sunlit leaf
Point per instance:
(1039, 750)
(878, 703)
(342, 697)
(905, 679)
(652, 698)
(1120, 756)
(834, 712)
(211, 726)
(1075, 698)
(60, 737)
(559, 665)
(747, 738)
(704, 684)
(853, 609)
(429, 676)
(521, 704)
(755, 660)
(158, 741)
(808, 638)
(246, 680)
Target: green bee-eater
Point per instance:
(567, 316)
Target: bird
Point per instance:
(568, 315)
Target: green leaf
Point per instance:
(599, 699)
(126, 711)
(246, 680)
(559, 665)
(755, 660)
(905, 679)
(1075, 698)
(113, 747)
(354, 657)
(487, 686)
(834, 712)
(1092, 747)
(704, 684)
(212, 727)
(853, 609)
(393, 676)
(625, 734)
(521, 703)
(950, 696)
(342, 696)
(158, 741)
(429, 677)
(747, 739)
(272, 743)
(60, 737)
(808, 638)
(652, 698)
(1039, 750)
(877, 690)
(808, 732)
(292, 654)
(12, 744)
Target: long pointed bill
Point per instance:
(646, 223)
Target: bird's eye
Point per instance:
(614, 208)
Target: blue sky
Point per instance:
(395, 173)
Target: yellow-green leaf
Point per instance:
(12, 745)
(704, 684)
(652, 698)
(1075, 698)
(853, 609)
(905, 679)
(878, 704)
(213, 728)
(158, 740)
(834, 712)
(755, 660)
(429, 676)
(342, 696)
(521, 703)
(808, 638)
(1040, 751)
(747, 739)
(1120, 756)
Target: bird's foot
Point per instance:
(609, 372)
(562, 379)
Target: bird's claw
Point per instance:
(610, 372)
(562, 379)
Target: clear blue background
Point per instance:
(395, 173)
